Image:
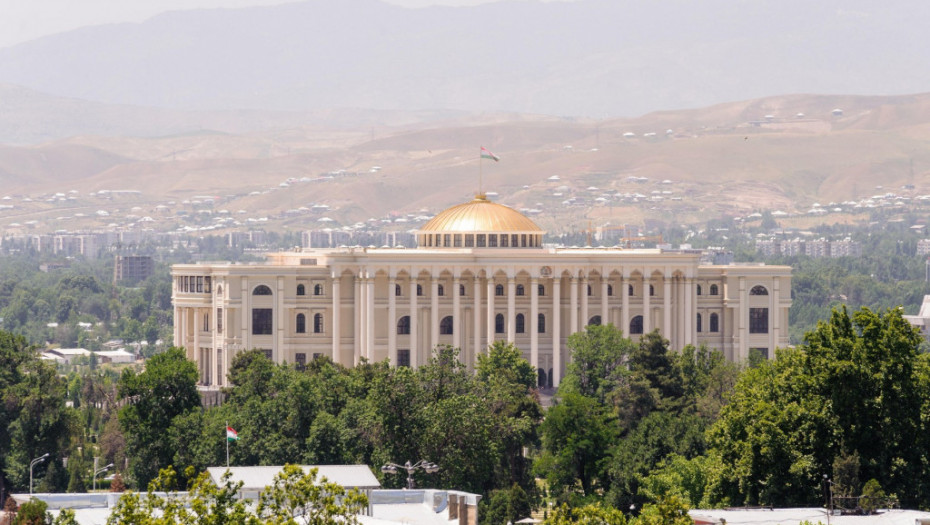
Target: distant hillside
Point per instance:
(596, 58)
(784, 152)
(30, 116)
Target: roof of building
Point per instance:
(480, 215)
(799, 515)
(257, 478)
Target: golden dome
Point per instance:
(480, 216)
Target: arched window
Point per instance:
(397, 290)
(440, 291)
(541, 290)
(629, 290)
(499, 324)
(445, 326)
(520, 290)
(589, 290)
(521, 324)
(714, 323)
(699, 323)
(652, 290)
(419, 290)
(318, 323)
(301, 290)
(636, 325)
(301, 324)
(713, 289)
(758, 290)
(610, 290)
(317, 289)
(261, 290)
(699, 289)
(499, 290)
(403, 325)
(596, 320)
(461, 289)
(219, 290)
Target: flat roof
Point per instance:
(257, 478)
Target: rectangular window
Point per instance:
(758, 320)
(184, 284)
(447, 240)
(403, 358)
(469, 240)
(267, 352)
(206, 284)
(199, 284)
(505, 241)
(481, 243)
(317, 355)
(261, 321)
(301, 359)
(758, 353)
(523, 238)
(206, 322)
(219, 320)
(492, 241)
(458, 240)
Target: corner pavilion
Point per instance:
(480, 273)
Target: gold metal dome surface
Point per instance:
(480, 215)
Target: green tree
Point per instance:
(576, 437)
(505, 360)
(33, 512)
(166, 390)
(599, 361)
(592, 514)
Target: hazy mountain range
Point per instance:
(594, 58)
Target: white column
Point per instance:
(647, 306)
(584, 302)
(743, 313)
(456, 318)
(605, 312)
(434, 313)
(490, 301)
(337, 319)
(534, 323)
(392, 321)
(624, 306)
(178, 323)
(357, 326)
(476, 314)
(689, 312)
(556, 330)
(774, 318)
(414, 351)
(197, 352)
(511, 310)
(667, 306)
(573, 306)
(281, 319)
(370, 318)
(246, 312)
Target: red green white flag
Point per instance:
(231, 434)
(486, 154)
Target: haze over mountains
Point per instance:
(596, 58)
(231, 103)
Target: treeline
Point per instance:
(634, 426)
(849, 409)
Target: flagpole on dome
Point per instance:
(485, 154)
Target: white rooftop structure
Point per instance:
(257, 478)
(799, 515)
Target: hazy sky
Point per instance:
(22, 20)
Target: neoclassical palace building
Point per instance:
(480, 273)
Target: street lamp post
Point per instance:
(425, 466)
(33, 463)
(98, 471)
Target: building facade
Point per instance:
(480, 274)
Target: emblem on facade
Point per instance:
(545, 271)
